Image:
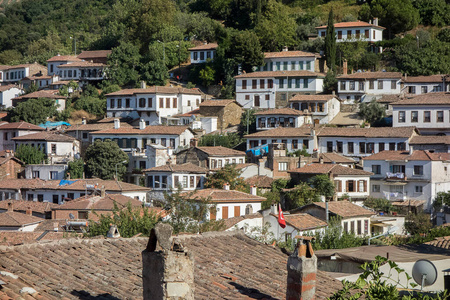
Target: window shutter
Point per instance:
(354, 186)
(225, 212)
(346, 187)
(237, 211)
(339, 186)
(365, 186)
(212, 214)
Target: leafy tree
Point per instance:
(92, 105)
(102, 158)
(198, 25)
(108, 88)
(31, 89)
(246, 50)
(129, 222)
(248, 121)
(442, 198)
(353, 52)
(188, 213)
(123, 64)
(228, 140)
(300, 195)
(274, 195)
(444, 35)
(372, 111)
(323, 185)
(228, 174)
(35, 111)
(9, 56)
(417, 223)
(334, 237)
(379, 204)
(155, 73)
(207, 75)
(433, 12)
(330, 82)
(75, 168)
(330, 42)
(29, 155)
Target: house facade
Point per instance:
(14, 74)
(8, 131)
(60, 101)
(46, 172)
(322, 108)
(203, 53)
(408, 175)
(280, 117)
(82, 71)
(211, 157)
(417, 85)
(54, 62)
(7, 93)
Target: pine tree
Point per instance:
(330, 42)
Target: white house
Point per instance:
(54, 62)
(46, 172)
(408, 175)
(361, 142)
(200, 54)
(8, 131)
(211, 157)
(292, 61)
(57, 147)
(154, 104)
(280, 117)
(58, 191)
(229, 203)
(293, 138)
(60, 101)
(14, 74)
(272, 89)
(323, 108)
(367, 86)
(82, 71)
(417, 85)
(430, 113)
(7, 93)
(353, 218)
(356, 31)
(349, 182)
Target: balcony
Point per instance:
(396, 176)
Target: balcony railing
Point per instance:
(395, 176)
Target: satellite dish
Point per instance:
(71, 216)
(424, 273)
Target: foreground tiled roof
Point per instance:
(372, 75)
(41, 94)
(228, 265)
(429, 140)
(409, 202)
(17, 219)
(280, 111)
(63, 58)
(345, 209)
(260, 181)
(7, 87)
(280, 74)
(23, 205)
(94, 54)
(334, 158)
(303, 131)
(372, 132)
(334, 169)
(153, 129)
(99, 203)
(12, 238)
(302, 221)
(156, 90)
(442, 98)
(46, 136)
(405, 155)
(220, 151)
(218, 102)
(424, 79)
(231, 222)
(219, 196)
(208, 46)
(300, 98)
(290, 54)
(351, 24)
(440, 242)
(176, 168)
(21, 125)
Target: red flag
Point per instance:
(281, 220)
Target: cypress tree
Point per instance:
(330, 42)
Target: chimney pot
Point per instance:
(143, 84)
(116, 123)
(142, 124)
(226, 186)
(113, 232)
(10, 206)
(253, 190)
(103, 192)
(29, 212)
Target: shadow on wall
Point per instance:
(84, 295)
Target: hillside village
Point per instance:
(310, 140)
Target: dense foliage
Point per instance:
(417, 223)
(30, 155)
(75, 169)
(228, 174)
(334, 237)
(104, 158)
(229, 140)
(34, 111)
(371, 112)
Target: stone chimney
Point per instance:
(10, 206)
(194, 142)
(143, 84)
(116, 123)
(168, 268)
(113, 232)
(320, 160)
(226, 186)
(8, 153)
(83, 121)
(103, 192)
(141, 124)
(344, 67)
(29, 212)
(302, 270)
(285, 49)
(253, 190)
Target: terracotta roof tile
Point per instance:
(418, 155)
(21, 125)
(7, 87)
(220, 196)
(17, 219)
(440, 242)
(372, 75)
(442, 98)
(149, 130)
(218, 102)
(409, 202)
(220, 151)
(156, 90)
(334, 169)
(372, 132)
(12, 238)
(99, 203)
(334, 158)
(345, 209)
(63, 58)
(290, 54)
(389, 99)
(86, 55)
(260, 181)
(424, 79)
(81, 64)
(41, 94)
(97, 126)
(429, 140)
(280, 74)
(351, 24)
(23, 205)
(300, 98)
(230, 222)
(280, 111)
(178, 168)
(302, 221)
(303, 131)
(46, 136)
(209, 46)
(188, 114)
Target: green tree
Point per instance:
(123, 64)
(330, 42)
(353, 52)
(30, 155)
(248, 121)
(379, 204)
(155, 73)
(228, 140)
(102, 158)
(246, 50)
(372, 111)
(334, 237)
(228, 174)
(323, 185)
(9, 56)
(92, 105)
(31, 89)
(75, 168)
(417, 223)
(207, 75)
(188, 213)
(433, 12)
(35, 111)
(274, 195)
(300, 195)
(330, 82)
(442, 198)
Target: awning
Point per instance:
(380, 224)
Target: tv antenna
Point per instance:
(424, 273)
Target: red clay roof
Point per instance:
(280, 111)
(97, 126)
(430, 140)
(440, 242)
(46, 136)
(424, 79)
(24, 205)
(334, 169)
(280, 74)
(372, 132)
(208, 46)
(218, 103)
(351, 24)
(260, 181)
(99, 203)
(334, 158)
(21, 125)
(220, 151)
(16, 219)
(156, 90)
(442, 98)
(63, 58)
(86, 55)
(224, 196)
(372, 75)
(290, 54)
(178, 168)
(81, 64)
(7, 87)
(302, 221)
(303, 131)
(421, 155)
(148, 130)
(345, 209)
(299, 98)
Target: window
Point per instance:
(163, 142)
(357, 34)
(339, 34)
(401, 117)
(195, 55)
(424, 89)
(53, 175)
(267, 97)
(362, 147)
(83, 215)
(418, 170)
(308, 65)
(393, 84)
(292, 65)
(244, 84)
(361, 85)
(112, 103)
(247, 97)
(161, 102)
(361, 186)
(350, 147)
(401, 146)
(380, 147)
(427, 116)
(257, 102)
(414, 116)
(352, 85)
(270, 83)
(376, 169)
(329, 146)
(281, 83)
(376, 188)
(294, 144)
(55, 199)
(418, 189)
(35, 174)
(305, 144)
(339, 146)
(391, 146)
(167, 102)
(172, 143)
(346, 227)
(440, 116)
(174, 103)
(285, 65)
(202, 55)
(254, 84)
(127, 102)
(278, 66)
(305, 83)
(350, 185)
(282, 166)
(85, 135)
(301, 65)
(185, 182)
(343, 85)
(322, 34)
(40, 198)
(380, 84)
(261, 83)
(372, 84)
(367, 33)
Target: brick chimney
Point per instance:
(29, 212)
(302, 270)
(226, 186)
(344, 67)
(10, 206)
(194, 142)
(168, 268)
